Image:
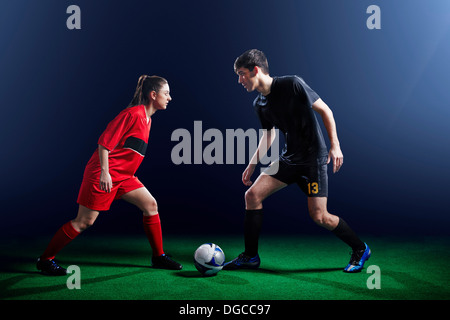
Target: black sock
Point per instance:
(252, 228)
(346, 234)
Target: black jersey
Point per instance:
(289, 108)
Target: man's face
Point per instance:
(247, 78)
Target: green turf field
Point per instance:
(292, 268)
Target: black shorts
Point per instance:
(312, 179)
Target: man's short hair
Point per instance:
(251, 58)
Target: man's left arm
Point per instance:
(328, 120)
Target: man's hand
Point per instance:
(336, 155)
(247, 175)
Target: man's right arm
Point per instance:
(263, 146)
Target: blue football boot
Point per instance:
(243, 261)
(357, 260)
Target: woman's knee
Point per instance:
(84, 219)
(150, 207)
(81, 224)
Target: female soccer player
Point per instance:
(109, 175)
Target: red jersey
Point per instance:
(126, 138)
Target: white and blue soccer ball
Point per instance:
(209, 259)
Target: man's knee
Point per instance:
(318, 215)
(317, 219)
(323, 218)
(252, 198)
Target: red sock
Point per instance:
(152, 228)
(61, 238)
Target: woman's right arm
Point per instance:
(105, 177)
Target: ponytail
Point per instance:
(145, 85)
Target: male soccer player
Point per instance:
(288, 103)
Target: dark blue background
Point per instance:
(388, 89)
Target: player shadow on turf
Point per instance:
(107, 264)
(306, 270)
(13, 264)
(287, 271)
(222, 277)
(9, 290)
(193, 274)
(196, 274)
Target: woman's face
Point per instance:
(162, 97)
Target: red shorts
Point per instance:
(93, 198)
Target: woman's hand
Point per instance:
(105, 181)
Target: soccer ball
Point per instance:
(209, 259)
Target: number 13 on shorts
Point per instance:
(313, 188)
